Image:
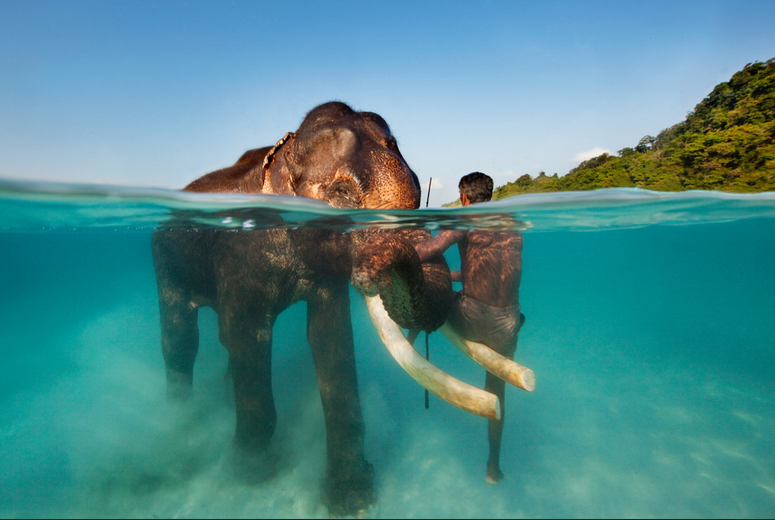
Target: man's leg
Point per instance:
(497, 386)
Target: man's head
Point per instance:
(474, 188)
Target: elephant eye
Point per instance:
(342, 194)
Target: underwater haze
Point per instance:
(649, 328)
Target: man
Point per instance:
(487, 309)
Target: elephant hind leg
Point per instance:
(250, 362)
(179, 343)
(252, 377)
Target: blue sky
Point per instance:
(157, 94)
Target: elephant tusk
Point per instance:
(497, 365)
(455, 392)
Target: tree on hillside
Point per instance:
(645, 144)
(726, 143)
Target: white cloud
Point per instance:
(585, 156)
(436, 184)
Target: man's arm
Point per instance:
(438, 244)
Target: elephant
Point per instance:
(347, 159)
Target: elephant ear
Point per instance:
(271, 153)
(270, 157)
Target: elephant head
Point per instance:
(345, 158)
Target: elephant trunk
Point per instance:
(455, 392)
(416, 296)
(402, 292)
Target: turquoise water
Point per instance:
(649, 327)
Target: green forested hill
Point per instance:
(727, 143)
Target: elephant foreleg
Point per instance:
(348, 489)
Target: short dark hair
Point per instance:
(477, 187)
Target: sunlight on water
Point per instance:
(649, 328)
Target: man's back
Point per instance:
(491, 264)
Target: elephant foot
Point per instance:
(179, 386)
(251, 466)
(350, 496)
(494, 474)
